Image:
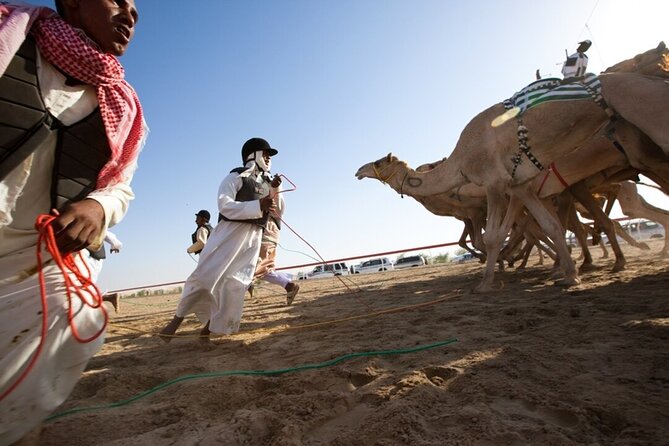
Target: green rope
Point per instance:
(248, 372)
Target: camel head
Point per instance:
(653, 62)
(382, 169)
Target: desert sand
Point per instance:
(533, 364)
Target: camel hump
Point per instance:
(654, 62)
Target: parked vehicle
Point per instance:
(410, 262)
(325, 270)
(462, 258)
(642, 229)
(374, 265)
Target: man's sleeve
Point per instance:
(115, 199)
(200, 240)
(236, 210)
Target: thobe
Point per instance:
(215, 290)
(24, 194)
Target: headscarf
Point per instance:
(76, 55)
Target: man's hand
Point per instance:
(267, 204)
(78, 225)
(276, 181)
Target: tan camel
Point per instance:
(634, 205)
(653, 62)
(485, 156)
(466, 204)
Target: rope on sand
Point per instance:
(250, 372)
(290, 327)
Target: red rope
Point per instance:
(552, 168)
(84, 289)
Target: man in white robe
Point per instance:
(215, 290)
(577, 64)
(38, 372)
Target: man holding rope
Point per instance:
(66, 112)
(215, 290)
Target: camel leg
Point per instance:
(605, 252)
(477, 235)
(527, 250)
(553, 229)
(468, 232)
(567, 212)
(583, 195)
(628, 238)
(634, 205)
(498, 225)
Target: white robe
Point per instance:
(215, 290)
(24, 194)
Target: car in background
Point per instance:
(374, 265)
(410, 262)
(642, 229)
(462, 258)
(325, 270)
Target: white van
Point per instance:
(374, 265)
(410, 262)
(325, 270)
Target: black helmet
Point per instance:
(204, 214)
(583, 46)
(255, 144)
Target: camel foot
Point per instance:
(480, 289)
(556, 274)
(643, 246)
(618, 266)
(586, 267)
(567, 282)
(487, 288)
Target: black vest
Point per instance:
(250, 191)
(82, 148)
(194, 234)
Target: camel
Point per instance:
(466, 204)
(653, 62)
(485, 155)
(634, 205)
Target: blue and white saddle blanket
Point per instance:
(554, 89)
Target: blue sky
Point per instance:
(333, 85)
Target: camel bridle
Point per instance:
(414, 182)
(379, 176)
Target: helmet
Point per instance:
(256, 144)
(204, 214)
(583, 46)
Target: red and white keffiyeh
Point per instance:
(74, 54)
